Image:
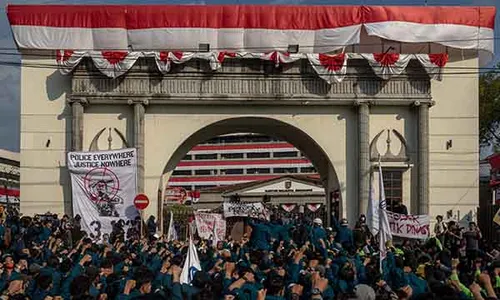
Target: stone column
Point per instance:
(364, 156)
(423, 157)
(139, 112)
(77, 125)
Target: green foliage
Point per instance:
(489, 107)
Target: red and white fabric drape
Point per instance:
(67, 60)
(115, 63)
(313, 207)
(277, 57)
(288, 207)
(164, 59)
(387, 65)
(433, 64)
(330, 68)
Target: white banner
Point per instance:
(409, 226)
(251, 210)
(210, 226)
(104, 185)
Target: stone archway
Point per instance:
(262, 125)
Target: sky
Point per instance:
(10, 74)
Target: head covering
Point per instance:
(34, 268)
(318, 221)
(364, 292)
(344, 222)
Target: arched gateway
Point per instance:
(345, 110)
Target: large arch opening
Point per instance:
(269, 127)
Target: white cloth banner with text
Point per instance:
(104, 185)
(251, 210)
(210, 226)
(409, 226)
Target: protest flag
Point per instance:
(384, 227)
(172, 233)
(372, 215)
(191, 265)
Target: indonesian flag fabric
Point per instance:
(288, 207)
(114, 63)
(330, 68)
(246, 28)
(313, 207)
(67, 60)
(433, 64)
(386, 65)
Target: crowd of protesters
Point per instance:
(47, 257)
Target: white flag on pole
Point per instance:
(384, 227)
(172, 233)
(372, 215)
(191, 265)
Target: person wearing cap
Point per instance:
(344, 233)
(318, 234)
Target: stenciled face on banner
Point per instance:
(101, 186)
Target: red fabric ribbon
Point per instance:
(439, 60)
(164, 55)
(63, 55)
(114, 57)
(386, 59)
(332, 62)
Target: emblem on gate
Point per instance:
(288, 185)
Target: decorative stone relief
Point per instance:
(94, 145)
(388, 156)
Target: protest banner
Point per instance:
(409, 226)
(210, 226)
(252, 210)
(104, 185)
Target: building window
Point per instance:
(308, 170)
(181, 173)
(205, 172)
(285, 154)
(231, 172)
(285, 170)
(232, 155)
(393, 186)
(187, 157)
(258, 171)
(259, 155)
(205, 156)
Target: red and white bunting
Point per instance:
(165, 58)
(313, 207)
(331, 68)
(387, 65)
(67, 60)
(114, 63)
(433, 64)
(288, 207)
(277, 57)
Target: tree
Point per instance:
(489, 107)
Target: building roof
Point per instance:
(9, 155)
(310, 179)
